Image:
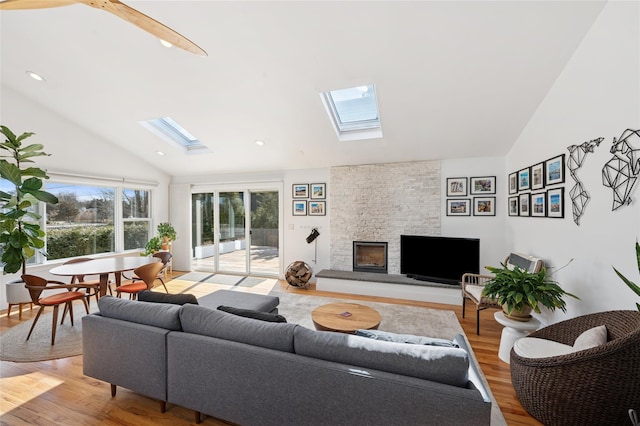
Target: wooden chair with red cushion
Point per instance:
(36, 285)
(164, 257)
(92, 286)
(147, 273)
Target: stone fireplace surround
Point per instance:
(380, 202)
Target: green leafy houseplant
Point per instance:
(516, 289)
(633, 286)
(153, 245)
(20, 232)
(166, 231)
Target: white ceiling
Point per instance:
(454, 79)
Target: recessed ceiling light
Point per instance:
(35, 76)
(165, 43)
(160, 153)
(259, 143)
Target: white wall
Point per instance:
(597, 95)
(75, 150)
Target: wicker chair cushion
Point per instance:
(533, 347)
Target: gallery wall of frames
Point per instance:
(309, 199)
(538, 190)
(471, 195)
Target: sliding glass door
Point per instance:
(236, 232)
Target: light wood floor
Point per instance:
(56, 392)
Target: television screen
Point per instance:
(438, 259)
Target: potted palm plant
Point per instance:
(20, 232)
(520, 291)
(633, 286)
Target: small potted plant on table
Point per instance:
(520, 291)
(166, 234)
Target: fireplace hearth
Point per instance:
(369, 256)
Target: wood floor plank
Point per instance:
(56, 392)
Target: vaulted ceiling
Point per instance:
(454, 79)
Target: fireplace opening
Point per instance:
(370, 256)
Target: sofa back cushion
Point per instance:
(208, 322)
(438, 364)
(155, 314)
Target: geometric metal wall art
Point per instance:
(622, 171)
(579, 195)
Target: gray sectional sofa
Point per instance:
(253, 372)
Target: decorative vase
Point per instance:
(522, 315)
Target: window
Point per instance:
(136, 218)
(82, 223)
(170, 131)
(353, 112)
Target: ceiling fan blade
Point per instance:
(33, 4)
(146, 23)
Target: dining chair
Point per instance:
(92, 286)
(164, 257)
(36, 285)
(147, 273)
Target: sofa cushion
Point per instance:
(208, 322)
(250, 313)
(155, 314)
(405, 338)
(239, 299)
(157, 297)
(438, 364)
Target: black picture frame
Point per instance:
(524, 204)
(299, 208)
(318, 191)
(459, 207)
(524, 179)
(514, 206)
(482, 185)
(484, 206)
(317, 208)
(554, 170)
(555, 202)
(539, 204)
(513, 183)
(457, 187)
(300, 190)
(537, 176)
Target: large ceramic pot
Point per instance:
(522, 315)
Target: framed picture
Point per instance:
(483, 185)
(555, 202)
(299, 208)
(513, 183)
(300, 190)
(513, 206)
(317, 208)
(456, 187)
(539, 204)
(318, 191)
(459, 207)
(484, 206)
(554, 170)
(524, 181)
(523, 204)
(537, 176)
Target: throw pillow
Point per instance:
(176, 299)
(405, 338)
(249, 313)
(591, 338)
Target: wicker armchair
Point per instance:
(596, 386)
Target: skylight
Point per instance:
(353, 112)
(170, 131)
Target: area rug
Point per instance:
(14, 346)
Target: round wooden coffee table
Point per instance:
(345, 317)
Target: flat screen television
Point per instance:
(438, 259)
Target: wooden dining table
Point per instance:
(103, 267)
